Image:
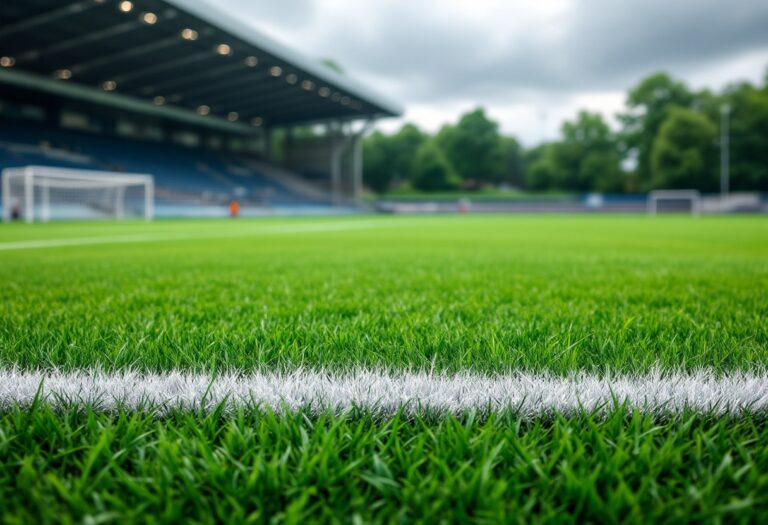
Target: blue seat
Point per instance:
(181, 174)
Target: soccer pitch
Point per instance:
(478, 368)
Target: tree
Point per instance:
(472, 146)
(591, 152)
(684, 152)
(586, 159)
(512, 163)
(648, 105)
(431, 170)
(405, 144)
(388, 159)
(748, 138)
(543, 171)
(377, 169)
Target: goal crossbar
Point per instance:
(33, 189)
(694, 196)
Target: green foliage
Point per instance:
(378, 172)
(749, 138)
(543, 170)
(473, 147)
(332, 65)
(684, 152)
(431, 170)
(513, 163)
(388, 159)
(589, 156)
(586, 159)
(648, 106)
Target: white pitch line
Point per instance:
(204, 234)
(529, 394)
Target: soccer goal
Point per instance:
(674, 201)
(37, 193)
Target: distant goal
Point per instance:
(674, 201)
(37, 193)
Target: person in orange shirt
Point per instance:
(234, 209)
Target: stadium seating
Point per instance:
(183, 176)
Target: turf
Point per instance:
(85, 467)
(488, 294)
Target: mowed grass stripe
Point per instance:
(193, 235)
(386, 393)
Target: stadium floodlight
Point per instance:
(45, 194)
(692, 196)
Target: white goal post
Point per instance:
(44, 193)
(693, 196)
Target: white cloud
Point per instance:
(531, 64)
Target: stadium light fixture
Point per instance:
(159, 100)
(7, 61)
(232, 116)
(291, 78)
(308, 85)
(109, 85)
(345, 101)
(188, 34)
(149, 18)
(224, 49)
(63, 74)
(257, 121)
(324, 92)
(203, 110)
(275, 71)
(336, 97)
(125, 6)
(251, 61)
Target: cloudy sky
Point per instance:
(531, 63)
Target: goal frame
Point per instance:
(674, 195)
(72, 179)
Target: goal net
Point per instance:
(36, 193)
(674, 201)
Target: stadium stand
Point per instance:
(178, 90)
(181, 174)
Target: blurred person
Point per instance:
(234, 208)
(15, 210)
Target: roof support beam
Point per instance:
(197, 77)
(65, 45)
(167, 65)
(133, 52)
(47, 17)
(116, 100)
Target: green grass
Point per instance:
(487, 293)
(288, 469)
(554, 293)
